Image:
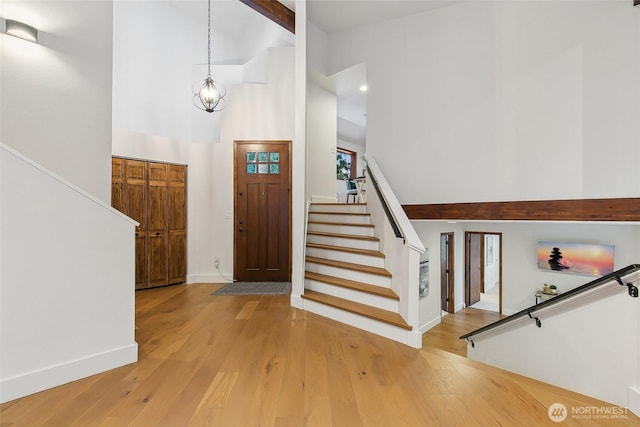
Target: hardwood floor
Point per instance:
(445, 335)
(255, 361)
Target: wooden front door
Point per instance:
(262, 211)
(475, 267)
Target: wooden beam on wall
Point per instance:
(623, 209)
(276, 11)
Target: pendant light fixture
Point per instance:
(210, 97)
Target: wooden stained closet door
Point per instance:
(155, 195)
(177, 262)
(157, 235)
(129, 196)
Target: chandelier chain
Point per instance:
(209, 40)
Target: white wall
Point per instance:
(507, 108)
(520, 275)
(66, 281)
(591, 349)
(56, 95)
(160, 55)
(322, 136)
(299, 194)
(253, 111)
(317, 49)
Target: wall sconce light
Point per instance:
(21, 30)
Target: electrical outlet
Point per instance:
(216, 261)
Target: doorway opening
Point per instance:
(483, 271)
(447, 303)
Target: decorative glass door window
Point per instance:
(263, 162)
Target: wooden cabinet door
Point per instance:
(154, 194)
(157, 225)
(117, 184)
(177, 259)
(135, 206)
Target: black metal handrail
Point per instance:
(385, 205)
(616, 276)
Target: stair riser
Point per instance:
(341, 241)
(334, 217)
(353, 295)
(341, 229)
(340, 207)
(344, 273)
(361, 259)
(370, 325)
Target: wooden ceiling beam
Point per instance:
(623, 209)
(276, 11)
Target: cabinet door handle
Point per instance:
(157, 233)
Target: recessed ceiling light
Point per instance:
(363, 88)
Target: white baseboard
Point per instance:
(210, 278)
(297, 302)
(53, 376)
(430, 324)
(458, 307)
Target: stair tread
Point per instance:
(354, 307)
(350, 224)
(358, 251)
(344, 236)
(352, 284)
(350, 266)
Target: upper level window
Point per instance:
(345, 164)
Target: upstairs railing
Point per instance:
(385, 206)
(396, 216)
(628, 277)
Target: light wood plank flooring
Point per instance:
(255, 361)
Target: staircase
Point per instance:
(345, 275)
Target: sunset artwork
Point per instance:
(576, 258)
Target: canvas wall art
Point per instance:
(576, 258)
